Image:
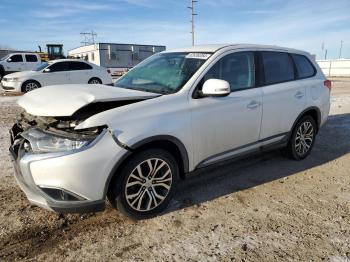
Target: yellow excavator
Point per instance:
(54, 51)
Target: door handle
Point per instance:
(299, 95)
(253, 104)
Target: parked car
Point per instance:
(63, 71)
(176, 112)
(17, 62)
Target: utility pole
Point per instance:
(324, 50)
(192, 17)
(341, 47)
(89, 37)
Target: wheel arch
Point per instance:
(95, 77)
(169, 143)
(314, 112)
(29, 80)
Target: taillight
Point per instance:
(328, 84)
(108, 71)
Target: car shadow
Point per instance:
(332, 142)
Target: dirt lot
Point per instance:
(263, 208)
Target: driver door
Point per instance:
(225, 126)
(15, 63)
(58, 74)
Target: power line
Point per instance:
(89, 37)
(192, 17)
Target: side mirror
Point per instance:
(9, 60)
(46, 70)
(216, 87)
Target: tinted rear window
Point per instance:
(304, 66)
(31, 58)
(79, 66)
(278, 67)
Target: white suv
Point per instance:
(16, 62)
(175, 112)
(56, 72)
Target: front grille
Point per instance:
(7, 88)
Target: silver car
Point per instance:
(174, 113)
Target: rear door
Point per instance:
(283, 97)
(57, 74)
(79, 72)
(31, 61)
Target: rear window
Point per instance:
(31, 58)
(304, 67)
(79, 66)
(278, 67)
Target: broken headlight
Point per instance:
(44, 142)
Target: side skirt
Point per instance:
(267, 144)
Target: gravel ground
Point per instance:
(262, 208)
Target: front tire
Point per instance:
(30, 86)
(145, 185)
(302, 139)
(2, 72)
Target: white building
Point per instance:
(116, 57)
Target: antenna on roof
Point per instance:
(192, 17)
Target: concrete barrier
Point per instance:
(335, 67)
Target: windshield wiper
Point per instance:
(137, 89)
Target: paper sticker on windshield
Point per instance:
(198, 55)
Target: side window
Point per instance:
(16, 58)
(235, 68)
(78, 66)
(59, 67)
(278, 67)
(304, 66)
(31, 58)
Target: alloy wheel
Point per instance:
(95, 82)
(31, 86)
(304, 138)
(148, 184)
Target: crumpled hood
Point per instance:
(65, 100)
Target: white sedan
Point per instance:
(62, 71)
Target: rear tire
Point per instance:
(302, 139)
(145, 185)
(30, 85)
(95, 81)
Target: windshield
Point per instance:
(41, 66)
(163, 73)
(5, 57)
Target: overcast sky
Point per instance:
(302, 24)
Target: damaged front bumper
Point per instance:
(66, 182)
